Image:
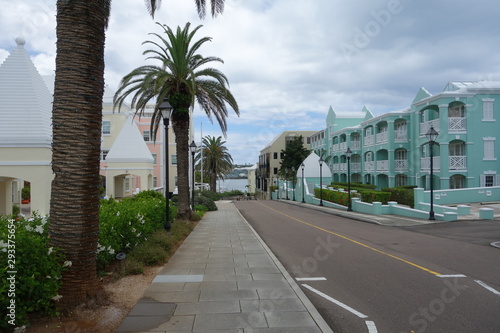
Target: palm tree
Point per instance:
(182, 77)
(77, 120)
(216, 159)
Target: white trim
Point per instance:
(30, 163)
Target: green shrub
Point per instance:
(341, 198)
(205, 201)
(209, 194)
(354, 186)
(16, 210)
(402, 194)
(38, 268)
(149, 253)
(233, 193)
(375, 196)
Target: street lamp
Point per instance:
(431, 135)
(166, 112)
(302, 166)
(348, 153)
(286, 183)
(192, 148)
(293, 182)
(321, 180)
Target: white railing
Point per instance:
(458, 162)
(343, 146)
(369, 166)
(400, 135)
(336, 147)
(424, 127)
(425, 163)
(355, 145)
(401, 165)
(343, 166)
(355, 167)
(383, 165)
(382, 137)
(336, 167)
(456, 124)
(368, 140)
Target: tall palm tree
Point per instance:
(216, 159)
(77, 120)
(183, 78)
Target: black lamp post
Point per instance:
(321, 180)
(192, 148)
(286, 183)
(348, 153)
(293, 182)
(431, 135)
(302, 166)
(166, 112)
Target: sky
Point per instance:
(288, 61)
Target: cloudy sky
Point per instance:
(288, 61)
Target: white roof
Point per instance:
(129, 146)
(311, 168)
(26, 102)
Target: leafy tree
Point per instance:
(216, 159)
(294, 154)
(77, 121)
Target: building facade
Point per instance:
(392, 149)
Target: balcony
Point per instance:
(343, 146)
(356, 167)
(456, 124)
(400, 165)
(343, 166)
(425, 163)
(336, 147)
(424, 126)
(355, 145)
(369, 166)
(336, 167)
(369, 140)
(383, 165)
(382, 137)
(400, 135)
(457, 162)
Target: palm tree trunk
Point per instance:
(77, 119)
(181, 130)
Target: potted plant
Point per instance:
(26, 195)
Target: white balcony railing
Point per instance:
(457, 162)
(355, 145)
(382, 137)
(400, 135)
(343, 146)
(343, 166)
(368, 140)
(369, 166)
(356, 167)
(383, 165)
(425, 163)
(424, 127)
(336, 167)
(456, 124)
(336, 147)
(401, 165)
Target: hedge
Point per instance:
(402, 195)
(375, 196)
(354, 186)
(341, 198)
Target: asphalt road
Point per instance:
(369, 278)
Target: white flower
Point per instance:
(117, 213)
(51, 249)
(139, 235)
(67, 264)
(21, 329)
(39, 229)
(57, 297)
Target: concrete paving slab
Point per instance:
(207, 307)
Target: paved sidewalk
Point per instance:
(224, 279)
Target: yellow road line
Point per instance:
(354, 241)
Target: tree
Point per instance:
(216, 159)
(77, 120)
(183, 78)
(294, 154)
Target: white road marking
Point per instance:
(371, 326)
(484, 285)
(311, 279)
(342, 305)
(452, 276)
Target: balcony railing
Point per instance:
(368, 140)
(458, 162)
(336, 147)
(369, 166)
(343, 146)
(383, 165)
(425, 163)
(356, 167)
(382, 137)
(401, 165)
(400, 135)
(336, 167)
(456, 124)
(355, 145)
(343, 166)
(424, 127)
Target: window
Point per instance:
(154, 159)
(401, 180)
(457, 111)
(127, 184)
(173, 159)
(401, 154)
(146, 135)
(456, 149)
(489, 149)
(282, 155)
(488, 110)
(489, 180)
(155, 181)
(457, 181)
(275, 171)
(275, 156)
(104, 153)
(106, 127)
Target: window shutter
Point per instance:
(482, 179)
(497, 180)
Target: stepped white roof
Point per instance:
(129, 146)
(25, 102)
(311, 168)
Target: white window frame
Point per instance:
(489, 149)
(106, 124)
(155, 158)
(488, 109)
(146, 134)
(173, 159)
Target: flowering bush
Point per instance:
(337, 197)
(30, 271)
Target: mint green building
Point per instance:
(392, 150)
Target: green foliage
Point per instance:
(38, 269)
(16, 210)
(354, 186)
(233, 193)
(375, 196)
(402, 194)
(205, 201)
(26, 193)
(295, 153)
(341, 198)
(210, 194)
